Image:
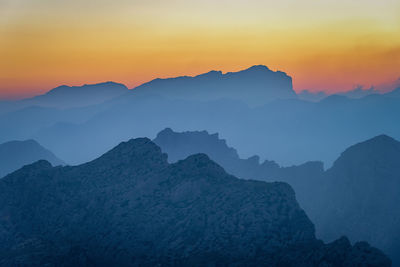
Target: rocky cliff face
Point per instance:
(130, 207)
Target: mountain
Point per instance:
(131, 208)
(290, 131)
(254, 86)
(306, 179)
(311, 96)
(15, 154)
(361, 195)
(69, 97)
(356, 197)
(360, 92)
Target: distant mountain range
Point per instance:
(178, 146)
(358, 92)
(356, 197)
(69, 97)
(279, 126)
(130, 207)
(15, 154)
(266, 86)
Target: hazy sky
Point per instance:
(324, 45)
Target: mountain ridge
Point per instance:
(267, 85)
(15, 154)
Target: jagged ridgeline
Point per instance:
(130, 207)
(356, 197)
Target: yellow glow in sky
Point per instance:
(324, 45)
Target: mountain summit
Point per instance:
(362, 195)
(255, 86)
(131, 208)
(76, 96)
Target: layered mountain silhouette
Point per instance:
(130, 207)
(356, 197)
(306, 179)
(65, 96)
(15, 154)
(179, 145)
(290, 131)
(254, 86)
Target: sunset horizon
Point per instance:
(332, 47)
(254, 133)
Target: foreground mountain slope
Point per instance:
(15, 154)
(130, 207)
(362, 195)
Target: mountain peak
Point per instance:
(135, 152)
(109, 86)
(258, 68)
(381, 141)
(214, 74)
(179, 145)
(379, 149)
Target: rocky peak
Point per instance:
(139, 152)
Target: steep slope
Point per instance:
(15, 154)
(361, 196)
(130, 207)
(254, 86)
(306, 179)
(179, 145)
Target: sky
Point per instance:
(325, 45)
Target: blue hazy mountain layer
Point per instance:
(15, 154)
(287, 130)
(69, 97)
(357, 196)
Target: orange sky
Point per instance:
(324, 45)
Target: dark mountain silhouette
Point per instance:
(362, 194)
(15, 154)
(254, 86)
(69, 97)
(130, 207)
